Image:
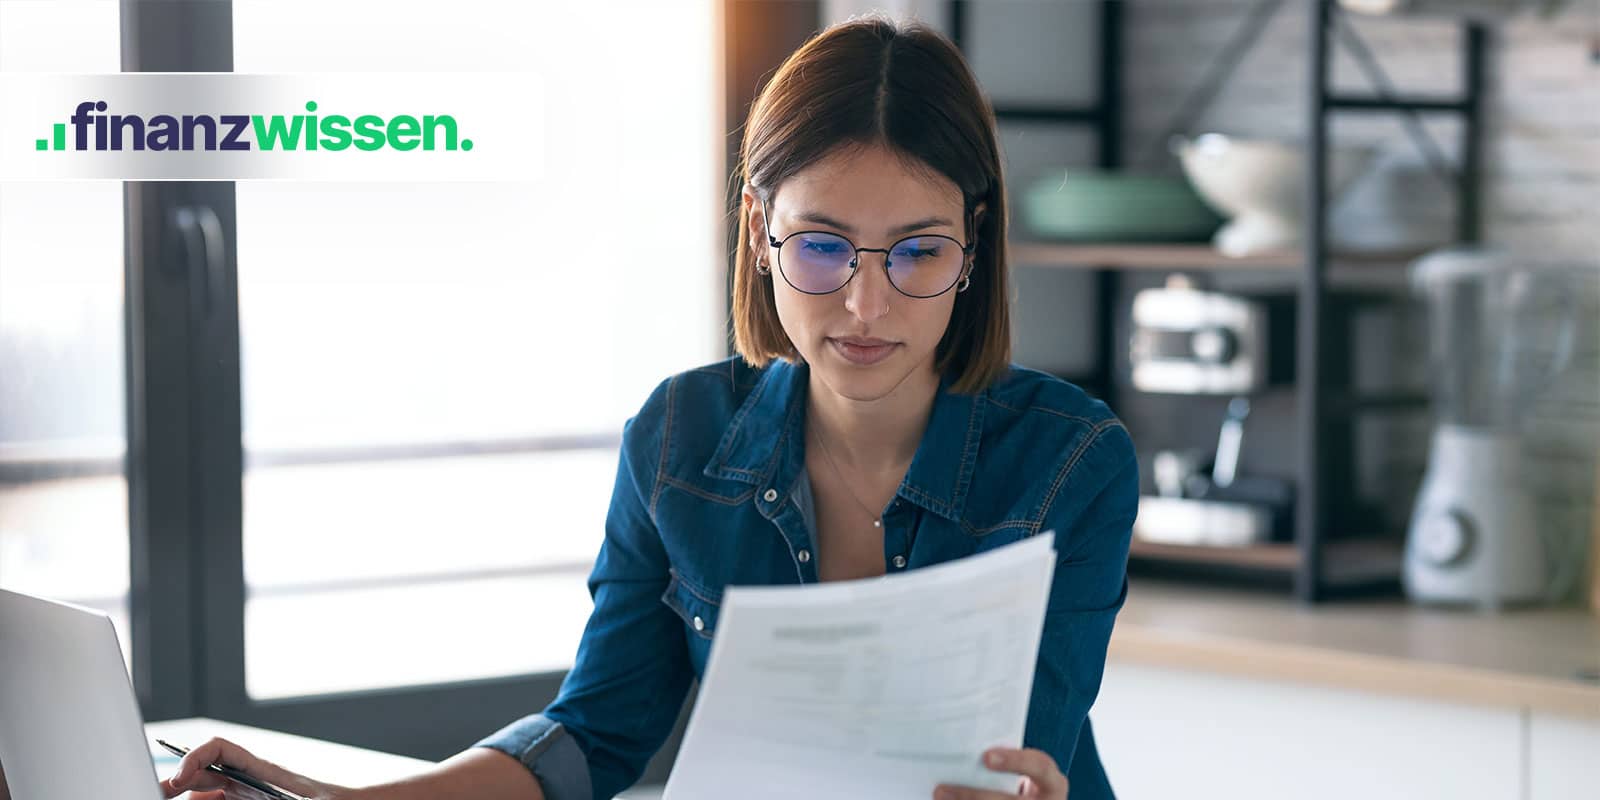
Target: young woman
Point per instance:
(871, 424)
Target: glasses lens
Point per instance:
(816, 262)
(924, 266)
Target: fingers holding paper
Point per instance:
(1041, 778)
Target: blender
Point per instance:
(1501, 330)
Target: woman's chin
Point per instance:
(864, 383)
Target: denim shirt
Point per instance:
(711, 491)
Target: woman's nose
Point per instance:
(867, 295)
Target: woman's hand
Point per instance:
(192, 776)
(1041, 778)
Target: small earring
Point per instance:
(966, 281)
(764, 269)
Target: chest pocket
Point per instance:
(695, 606)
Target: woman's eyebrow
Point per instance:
(824, 219)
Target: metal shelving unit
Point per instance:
(1104, 117)
(1320, 564)
(1326, 428)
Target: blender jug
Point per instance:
(1501, 330)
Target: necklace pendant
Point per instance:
(877, 523)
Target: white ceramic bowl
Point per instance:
(1260, 185)
(1486, 10)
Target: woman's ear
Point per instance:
(755, 222)
(972, 235)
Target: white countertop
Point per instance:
(328, 761)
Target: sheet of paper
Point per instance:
(880, 688)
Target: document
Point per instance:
(880, 688)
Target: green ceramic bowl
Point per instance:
(1091, 206)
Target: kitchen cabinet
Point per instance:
(1166, 733)
(1563, 757)
(1211, 692)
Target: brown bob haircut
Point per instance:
(904, 86)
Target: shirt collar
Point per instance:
(760, 441)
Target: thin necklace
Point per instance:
(876, 523)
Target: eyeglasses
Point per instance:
(822, 262)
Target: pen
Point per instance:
(235, 775)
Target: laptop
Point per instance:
(69, 723)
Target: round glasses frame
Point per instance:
(962, 276)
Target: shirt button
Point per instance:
(771, 495)
(804, 556)
(699, 624)
(899, 562)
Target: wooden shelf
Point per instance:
(1273, 556)
(1142, 256)
(1346, 560)
(1194, 255)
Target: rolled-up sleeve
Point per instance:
(1093, 526)
(543, 746)
(622, 696)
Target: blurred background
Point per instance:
(1336, 264)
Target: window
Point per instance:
(435, 376)
(366, 487)
(63, 493)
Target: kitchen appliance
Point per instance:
(1186, 341)
(1259, 184)
(1211, 523)
(1224, 509)
(1501, 329)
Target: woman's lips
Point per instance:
(864, 352)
